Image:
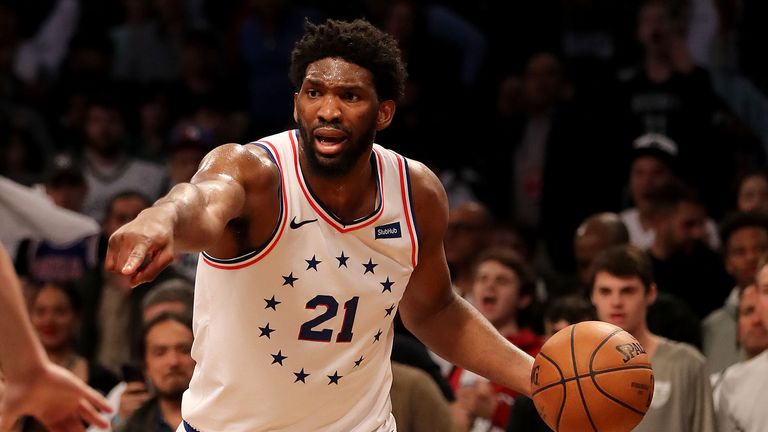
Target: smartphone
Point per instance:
(132, 373)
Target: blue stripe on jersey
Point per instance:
(262, 246)
(410, 200)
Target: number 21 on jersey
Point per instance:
(308, 331)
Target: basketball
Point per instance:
(592, 376)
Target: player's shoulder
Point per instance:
(425, 184)
(246, 164)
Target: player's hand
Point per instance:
(55, 397)
(134, 396)
(143, 247)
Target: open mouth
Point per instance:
(329, 140)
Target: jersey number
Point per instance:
(307, 331)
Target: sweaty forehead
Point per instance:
(337, 71)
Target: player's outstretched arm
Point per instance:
(440, 318)
(33, 385)
(191, 217)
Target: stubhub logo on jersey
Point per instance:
(391, 230)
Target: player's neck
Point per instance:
(350, 196)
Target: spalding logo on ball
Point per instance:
(592, 376)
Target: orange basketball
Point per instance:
(592, 376)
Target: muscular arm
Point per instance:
(441, 319)
(192, 216)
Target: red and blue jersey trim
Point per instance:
(327, 215)
(263, 250)
(408, 208)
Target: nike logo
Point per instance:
(295, 225)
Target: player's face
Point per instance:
(744, 249)
(762, 294)
(54, 319)
(168, 360)
(496, 290)
(338, 113)
(753, 336)
(621, 301)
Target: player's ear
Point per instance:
(295, 114)
(385, 114)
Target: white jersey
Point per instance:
(296, 336)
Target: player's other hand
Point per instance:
(55, 397)
(143, 247)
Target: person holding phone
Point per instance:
(168, 366)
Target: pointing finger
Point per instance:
(153, 267)
(135, 259)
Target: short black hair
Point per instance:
(624, 261)
(737, 221)
(571, 309)
(357, 42)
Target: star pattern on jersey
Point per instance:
(266, 331)
(342, 260)
(312, 263)
(301, 376)
(387, 285)
(271, 303)
(369, 267)
(289, 280)
(389, 310)
(278, 358)
(334, 379)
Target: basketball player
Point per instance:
(622, 289)
(34, 385)
(312, 239)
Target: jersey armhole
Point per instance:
(262, 250)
